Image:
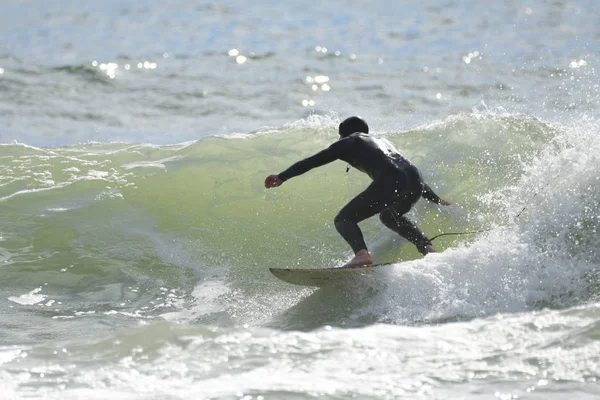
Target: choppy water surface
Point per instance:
(136, 235)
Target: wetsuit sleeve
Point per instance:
(429, 194)
(323, 157)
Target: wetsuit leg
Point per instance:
(365, 205)
(405, 228)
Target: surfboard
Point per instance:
(319, 277)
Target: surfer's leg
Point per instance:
(407, 229)
(363, 206)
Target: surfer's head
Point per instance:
(352, 125)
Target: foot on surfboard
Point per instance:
(361, 258)
(429, 249)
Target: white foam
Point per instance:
(206, 301)
(152, 164)
(29, 299)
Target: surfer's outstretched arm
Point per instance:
(323, 157)
(273, 181)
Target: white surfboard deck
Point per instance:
(318, 277)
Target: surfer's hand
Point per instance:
(273, 181)
(445, 203)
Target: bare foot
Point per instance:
(363, 257)
(429, 249)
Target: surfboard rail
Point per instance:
(319, 277)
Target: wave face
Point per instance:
(120, 225)
(103, 238)
(136, 235)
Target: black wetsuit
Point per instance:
(396, 187)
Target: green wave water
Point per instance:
(206, 200)
(98, 238)
(114, 225)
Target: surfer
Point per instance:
(397, 185)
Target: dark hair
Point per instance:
(352, 125)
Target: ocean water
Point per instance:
(136, 234)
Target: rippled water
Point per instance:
(166, 73)
(136, 235)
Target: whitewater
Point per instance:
(136, 234)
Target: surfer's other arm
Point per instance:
(429, 195)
